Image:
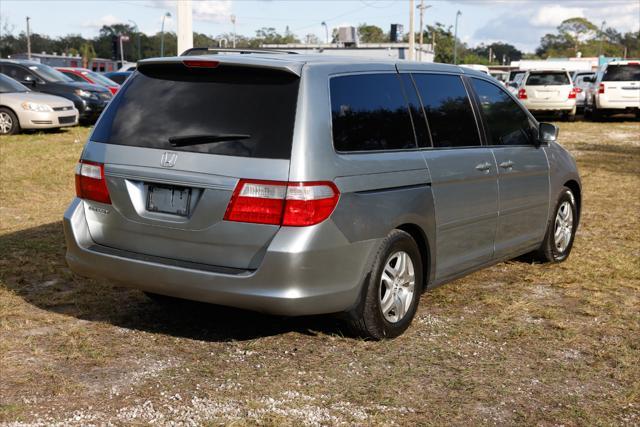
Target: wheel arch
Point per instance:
(577, 193)
(421, 239)
(14, 113)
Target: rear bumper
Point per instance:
(311, 270)
(627, 104)
(551, 106)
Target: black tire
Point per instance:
(548, 251)
(7, 114)
(367, 319)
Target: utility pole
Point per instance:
(138, 37)
(233, 21)
(28, 40)
(602, 36)
(120, 37)
(490, 54)
(422, 8)
(412, 36)
(326, 32)
(455, 40)
(185, 25)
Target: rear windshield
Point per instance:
(548, 79)
(622, 73)
(228, 110)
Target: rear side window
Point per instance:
(73, 76)
(448, 110)
(369, 112)
(548, 79)
(228, 110)
(622, 73)
(507, 123)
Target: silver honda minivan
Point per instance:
(311, 184)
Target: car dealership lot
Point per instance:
(554, 344)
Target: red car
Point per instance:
(85, 75)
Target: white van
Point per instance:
(616, 90)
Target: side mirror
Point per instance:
(547, 133)
(28, 80)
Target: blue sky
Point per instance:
(519, 22)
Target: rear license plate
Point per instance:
(169, 199)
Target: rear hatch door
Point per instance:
(548, 87)
(174, 143)
(622, 82)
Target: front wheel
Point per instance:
(9, 124)
(561, 230)
(392, 291)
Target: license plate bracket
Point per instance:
(169, 199)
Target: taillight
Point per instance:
(90, 182)
(601, 88)
(294, 204)
(572, 94)
(577, 89)
(522, 94)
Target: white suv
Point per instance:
(616, 89)
(548, 91)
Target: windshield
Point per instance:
(622, 73)
(8, 85)
(228, 110)
(49, 74)
(548, 79)
(99, 78)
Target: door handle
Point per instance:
(483, 166)
(506, 165)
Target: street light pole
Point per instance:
(233, 21)
(412, 36)
(28, 40)
(326, 32)
(137, 29)
(455, 40)
(422, 8)
(166, 15)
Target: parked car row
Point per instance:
(614, 89)
(37, 96)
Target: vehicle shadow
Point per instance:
(32, 266)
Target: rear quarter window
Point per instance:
(548, 79)
(369, 112)
(160, 102)
(622, 73)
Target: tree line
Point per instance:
(571, 36)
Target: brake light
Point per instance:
(197, 63)
(522, 94)
(90, 182)
(294, 204)
(601, 88)
(572, 94)
(577, 89)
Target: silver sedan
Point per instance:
(22, 109)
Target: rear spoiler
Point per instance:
(218, 50)
(249, 61)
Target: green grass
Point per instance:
(518, 343)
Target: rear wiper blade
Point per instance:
(182, 141)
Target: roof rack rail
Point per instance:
(217, 50)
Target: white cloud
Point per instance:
(99, 23)
(203, 10)
(552, 16)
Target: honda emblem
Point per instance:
(168, 159)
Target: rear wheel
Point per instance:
(561, 230)
(9, 124)
(392, 290)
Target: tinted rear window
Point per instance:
(369, 112)
(449, 114)
(622, 73)
(162, 102)
(548, 79)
